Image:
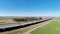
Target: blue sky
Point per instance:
(29, 7)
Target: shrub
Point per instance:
(27, 19)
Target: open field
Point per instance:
(16, 19)
(20, 20)
(5, 20)
(23, 30)
(52, 28)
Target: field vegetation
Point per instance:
(52, 28)
(5, 20)
(27, 19)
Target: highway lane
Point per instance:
(2, 26)
(11, 26)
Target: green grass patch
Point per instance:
(51, 28)
(3, 22)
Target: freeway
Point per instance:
(11, 26)
(3, 26)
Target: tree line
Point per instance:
(27, 18)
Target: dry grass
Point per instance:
(5, 21)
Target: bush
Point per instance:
(27, 19)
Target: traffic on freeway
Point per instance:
(11, 26)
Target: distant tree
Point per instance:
(40, 18)
(27, 19)
(17, 19)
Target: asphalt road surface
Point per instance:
(3, 26)
(11, 26)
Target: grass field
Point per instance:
(51, 28)
(3, 23)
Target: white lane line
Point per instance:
(36, 28)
